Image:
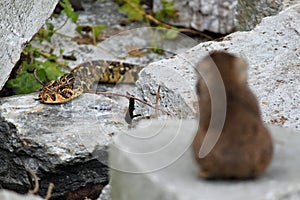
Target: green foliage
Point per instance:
(166, 11)
(25, 81)
(155, 47)
(130, 7)
(51, 68)
(159, 35)
(96, 30)
(45, 33)
(31, 51)
(68, 10)
(171, 33)
(135, 11)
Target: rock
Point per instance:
(288, 3)
(105, 195)
(9, 195)
(215, 16)
(155, 162)
(222, 16)
(67, 144)
(272, 52)
(64, 144)
(118, 39)
(250, 13)
(20, 20)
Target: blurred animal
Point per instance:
(244, 148)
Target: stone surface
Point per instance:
(215, 15)
(288, 3)
(20, 20)
(223, 16)
(119, 38)
(63, 144)
(272, 51)
(155, 162)
(106, 193)
(67, 144)
(9, 195)
(250, 13)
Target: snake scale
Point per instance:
(84, 76)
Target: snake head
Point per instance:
(62, 96)
(54, 93)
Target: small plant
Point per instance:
(49, 69)
(68, 10)
(133, 9)
(136, 12)
(25, 81)
(95, 30)
(48, 65)
(166, 11)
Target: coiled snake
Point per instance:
(84, 76)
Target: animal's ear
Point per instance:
(242, 68)
(204, 67)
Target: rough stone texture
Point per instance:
(19, 21)
(215, 15)
(9, 195)
(154, 162)
(272, 51)
(223, 16)
(63, 144)
(250, 13)
(106, 193)
(288, 3)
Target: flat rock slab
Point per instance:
(272, 51)
(155, 162)
(9, 195)
(64, 144)
(19, 21)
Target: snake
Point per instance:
(84, 76)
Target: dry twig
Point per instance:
(49, 191)
(137, 99)
(156, 101)
(32, 175)
(162, 24)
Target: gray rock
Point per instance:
(223, 16)
(20, 20)
(67, 144)
(9, 195)
(155, 162)
(215, 16)
(105, 194)
(288, 3)
(250, 13)
(64, 144)
(119, 38)
(272, 51)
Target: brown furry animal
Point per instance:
(244, 148)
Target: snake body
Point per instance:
(84, 76)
